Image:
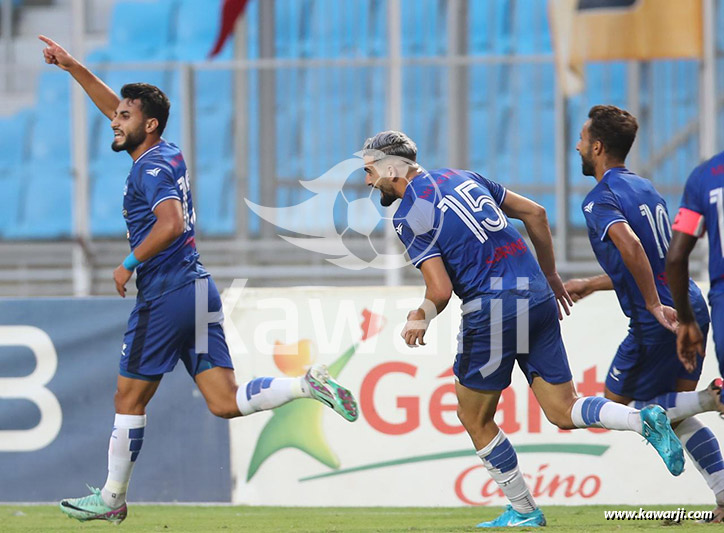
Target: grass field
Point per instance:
(171, 519)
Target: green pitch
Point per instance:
(177, 519)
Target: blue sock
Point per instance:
(703, 449)
(125, 445)
(500, 459)
(681, 405)
(595, 411)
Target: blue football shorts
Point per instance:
(643, 371)
(163, 330)
(488, 348)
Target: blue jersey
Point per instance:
(622, 196)
(456, 215)
(704, 194)
(160, 174)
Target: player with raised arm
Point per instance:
(162, 328)
(454, 224)
(628, 226)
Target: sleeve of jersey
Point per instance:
(605, 212)
(420, 248)
(690, 219)
(158, 185)
(497, 191)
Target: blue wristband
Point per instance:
(130, 262)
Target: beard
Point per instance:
(386, 200)
(587, 167)
(130, 141)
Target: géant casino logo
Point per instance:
(299, 425)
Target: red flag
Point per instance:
(230, 11)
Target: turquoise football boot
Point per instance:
(93, 507)
(512, 518)
(657, 430)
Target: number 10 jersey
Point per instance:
(622, 196)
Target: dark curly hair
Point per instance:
(154, 103)
(616, 129)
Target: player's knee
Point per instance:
(223, 409)
(127, 404)
(560, 419)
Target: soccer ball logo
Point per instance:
(353, 235)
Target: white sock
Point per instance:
(703, 449)
(261, 394)
(595, 411)
(500, 459)
(681, 405)
(123, 449)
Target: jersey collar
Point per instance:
(611, 170)
(148, 151)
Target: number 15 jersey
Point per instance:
(456, 215)
(622, 196)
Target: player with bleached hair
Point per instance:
(454, 224)
(455, 227)
(628, 226)
(163, 326)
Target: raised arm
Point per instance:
(637, 263)
(103, 96)
(536, 224)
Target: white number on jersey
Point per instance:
(470, 205)
(660, 227)
(189, 218)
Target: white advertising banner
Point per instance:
(408, 448)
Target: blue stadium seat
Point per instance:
(196, 30)
(214, 89)
(51, 138)
(10, 200)
(46, 205)
(14, 148)
(215, 200)
(107, 180)
(213, 138)
(53, 90)
(139, 31)
(100, 136)
(117, 78)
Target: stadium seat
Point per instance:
(214, 89)
(196, 30)
(53, 90)
(215, 200)
(213, 138)
(46, 204)
(50, 140)
(107, 180)
(139, 31)
(117, 78)
(10, 200)
(14, 148)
